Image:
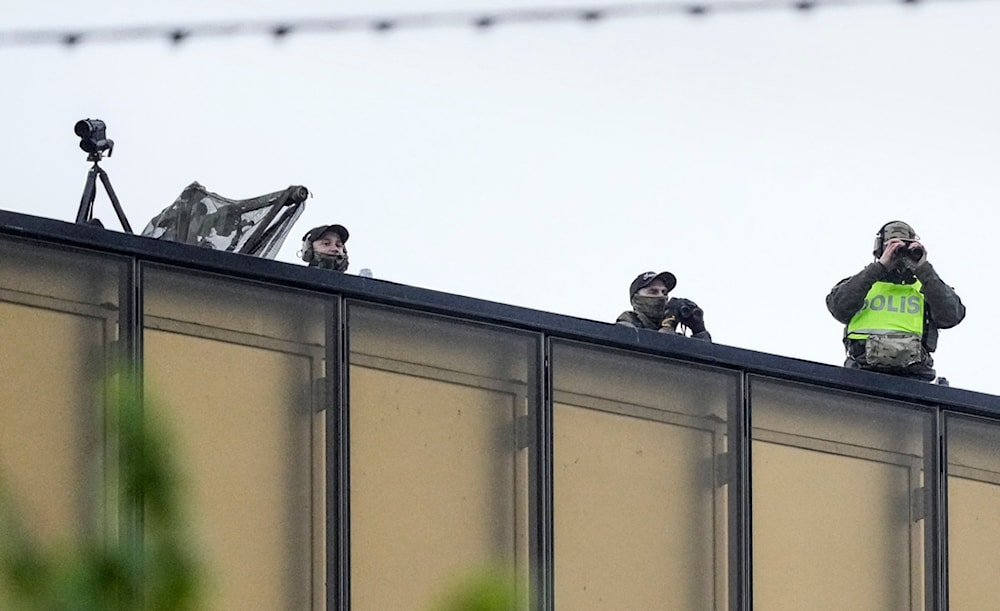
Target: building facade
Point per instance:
(352, 443)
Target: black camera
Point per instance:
(93, 136)
(910, 249)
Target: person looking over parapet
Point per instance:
(324, 247)
(652, 307)
(893, 308)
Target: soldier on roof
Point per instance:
(893, 308)
(324, 247)
(652, 307)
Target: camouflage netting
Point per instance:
(257, 226)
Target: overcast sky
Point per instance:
(754, 155)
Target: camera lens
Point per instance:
(86, 128)
(82, 128)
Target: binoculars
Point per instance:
(686, 311)
(914, 253)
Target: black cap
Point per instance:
(644, 279)
(317, 232)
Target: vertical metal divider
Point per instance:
(936, 523)
(130, 384)
(931, 486)
(919, 513)
(338, 539)
(722, 469)
(106, 513)
(740, 502)
(542, 514)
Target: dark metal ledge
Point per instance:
(65, 234)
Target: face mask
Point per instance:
(651, 307)
(337, 263)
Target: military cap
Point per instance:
(646, 278)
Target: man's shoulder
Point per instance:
(629, 317)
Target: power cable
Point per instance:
(482, 20)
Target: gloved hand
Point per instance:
(669, 323)
(688, 313)
(670, 317)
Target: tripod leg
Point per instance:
(86, 210)
(114, 200)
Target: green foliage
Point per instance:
(148, 567)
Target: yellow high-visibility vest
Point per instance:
(889, 308)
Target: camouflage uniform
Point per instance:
(657, 313)
(631, 318)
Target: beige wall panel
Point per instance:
(433, 486)
(634, 513)
(64, 274)
(661, 384)
(830, 532)
(810, 411)
(973, 544)
(241, 418)
(440, 343)
(217, 302)
(51, 370)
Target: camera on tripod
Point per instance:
(94, 141)
(910, 249)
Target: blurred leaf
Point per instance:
(485, 590)
(149, 567)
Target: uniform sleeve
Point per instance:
(848, 296)
(627, 319)
(946, 308)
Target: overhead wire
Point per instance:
(482, 20)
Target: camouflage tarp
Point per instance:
(257, 226)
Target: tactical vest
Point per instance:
(889, 308)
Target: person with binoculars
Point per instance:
(652, 307)
(892, 309)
